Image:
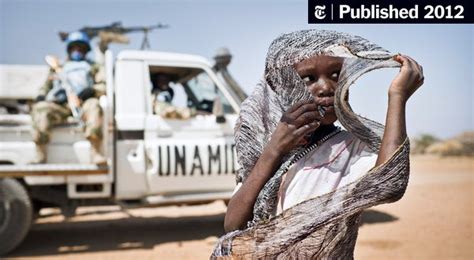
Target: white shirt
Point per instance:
(338, 161)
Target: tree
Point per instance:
(422, 142)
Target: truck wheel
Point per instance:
(16, 214)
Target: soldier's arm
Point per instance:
(97, 73)
(47, 86)
(95, 67)
(99, 80)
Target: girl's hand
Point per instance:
(300, 120)
(408, 80)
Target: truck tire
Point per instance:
(16, 214)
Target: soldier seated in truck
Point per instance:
(181, 93)
(161, 90)
(73, 86)
(162, 98)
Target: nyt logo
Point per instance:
(319, 12)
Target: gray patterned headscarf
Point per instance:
(270, 236)
(282, 87)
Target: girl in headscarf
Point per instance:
(303, 181)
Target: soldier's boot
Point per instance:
(41, 155)
(96, 156)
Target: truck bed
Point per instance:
(50, 169)
(67, 146)
(17, 128)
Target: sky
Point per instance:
(443, 106)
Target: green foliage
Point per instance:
(421, 142)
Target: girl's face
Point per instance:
(321, 73)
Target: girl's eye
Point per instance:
(308, 79)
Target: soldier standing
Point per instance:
(81, 92)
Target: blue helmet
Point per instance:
(78, 37)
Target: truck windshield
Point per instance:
(189, 87)
(205, 90)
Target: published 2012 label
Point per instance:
(444, 12)
(376, 11)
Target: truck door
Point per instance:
(189, 149)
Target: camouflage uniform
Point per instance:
(46, 114)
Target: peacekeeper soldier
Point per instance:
(162, 97)
(82, 90)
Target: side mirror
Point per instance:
(218, 110)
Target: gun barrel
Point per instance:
(116, 27)
(144, 28)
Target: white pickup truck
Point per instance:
(152, 160)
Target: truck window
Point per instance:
(181, 89)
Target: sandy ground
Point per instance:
(434, 220)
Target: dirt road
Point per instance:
(434, 220)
